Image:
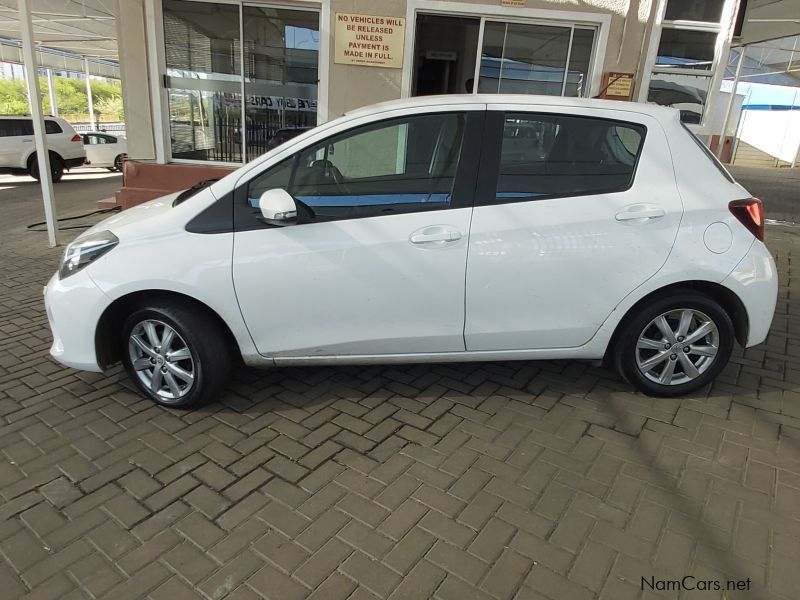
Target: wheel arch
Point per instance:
(53, 154)
(724, 296)
(106, 339)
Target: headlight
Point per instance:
(84, 250)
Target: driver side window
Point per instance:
(397, 166)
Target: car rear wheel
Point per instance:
(118, 160)
(56, 168)
(176, 355)
(676, 345)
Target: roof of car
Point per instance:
(655, 110)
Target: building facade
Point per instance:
(224, 81)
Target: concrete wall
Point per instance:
(351, 86)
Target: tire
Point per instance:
(644, 353)
(118, 160)
(197, 339)
(56, 167)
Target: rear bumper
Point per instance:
(71, 163)
(74, 306)
(755, 282)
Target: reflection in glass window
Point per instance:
(687, 93)
(686, 49)
(546, 156)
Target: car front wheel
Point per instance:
(176, 355)
(676, 345)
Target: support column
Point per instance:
(52, 93)
(731, 102)
(35, 99)
(89, 95)
(141, 128)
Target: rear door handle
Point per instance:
(640, 212)
(435, 235)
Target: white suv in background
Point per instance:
(18, 149)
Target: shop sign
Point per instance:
(514, 3)
(369, 40)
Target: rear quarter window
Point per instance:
(710, 155)
(52, 127)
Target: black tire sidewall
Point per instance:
(174, 320)
(625, 349)
(56, 168)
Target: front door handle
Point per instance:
(435, 235)
(641, 213)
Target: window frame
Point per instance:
(246, 218)
(724, 32)
(486, 194)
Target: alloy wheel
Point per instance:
(677, 346)
(161, 359)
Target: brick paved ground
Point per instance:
(507, 480)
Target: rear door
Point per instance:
(574, 210)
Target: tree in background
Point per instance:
(70, 97)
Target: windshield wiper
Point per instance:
(188, 193)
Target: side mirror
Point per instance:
(278, 207)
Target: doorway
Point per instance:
(456, 55)
(445, 51)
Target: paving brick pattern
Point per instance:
(550, 480)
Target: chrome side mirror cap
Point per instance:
(278, 207)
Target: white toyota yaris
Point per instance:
(435, 229)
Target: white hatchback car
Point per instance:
(434, 229)
(105, 150)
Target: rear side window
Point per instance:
(548, 156)
(709, 154)
(15, 127)
(52, 127)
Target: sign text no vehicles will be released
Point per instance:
(369, 40)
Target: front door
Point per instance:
(573, 213)
(376, 262)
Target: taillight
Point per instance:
(77, 138)
(750, 213)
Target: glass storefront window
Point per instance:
(205, 75)
(532, 59)
(281, 57)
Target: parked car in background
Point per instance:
(105, 150)
(18, 149)
(452, 228)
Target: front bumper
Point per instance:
(74, 306)
(755, 282)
